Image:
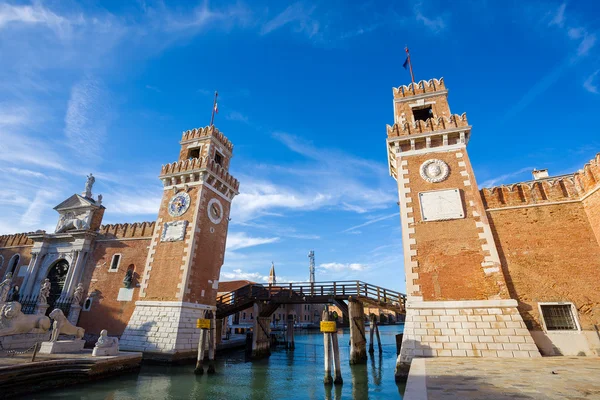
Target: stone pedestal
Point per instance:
(23, 341)
(62, 346)
(164, 330)
(474, 328)
(105, 351)
(74, 314)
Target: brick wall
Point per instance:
(550, 253)
(6, 253)
(591, 204)
(450, 253)
(106, 312)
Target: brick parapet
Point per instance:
(571, 187)
(126, 230)
(186, 171)
(441, 123)
(16, 239)
(199, 133)
(419, 88)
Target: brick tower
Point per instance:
(457, 300)
(181, 276)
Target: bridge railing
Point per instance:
(333, 289)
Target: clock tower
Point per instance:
(457, 299)
(181, 275)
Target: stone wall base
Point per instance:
(477, 328)
(163, 329)
(23, 341)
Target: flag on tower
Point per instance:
(409, 64)
(216, 107)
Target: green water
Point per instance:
(296, 374)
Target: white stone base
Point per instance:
(62, 346)
(23, 341)
(105, 351)
(166, 327)
(478, 328)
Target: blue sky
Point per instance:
(305, 94)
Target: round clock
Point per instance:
(215, 211)
(434, 170)
(179, 204)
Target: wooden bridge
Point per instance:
(337, 292)
(349, 296)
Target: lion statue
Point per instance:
(14, 322)
(62, 326)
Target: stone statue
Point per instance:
(88, 186)
(99, 201)
(106, 346)
(78, 295)
(62, 326)
(14, 322)
(5, 287)
(128, 279)
(44, 292)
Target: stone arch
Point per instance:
(57, 273)
(13, 263)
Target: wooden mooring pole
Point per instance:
(331, 349)
(378, 338)
(212, 341)
(371, 332)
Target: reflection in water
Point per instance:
(286, 375)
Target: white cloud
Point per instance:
(240, 240)
(590, 85)
(236, 15)
(239, 274)
(371, 221)
(436, 24)
(341, 267)
(296, 15)
(132, 202)
(259, 198)
(87, 118)
(503, 178)
(559, 17)
(42, 201)
(36, 14)
(237, 116)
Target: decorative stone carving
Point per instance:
(88, 186)
(179, 204)
(5, 287)
(69, 221)
(106, 346)
(173, 231)
(434, 170)
(99, 201)
(44, 292)
(78, 294)
(14, 322)
(62, 326)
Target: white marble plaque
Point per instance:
(173, 231)
(441, 205)
(125, 294)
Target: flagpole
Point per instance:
(412, 76)
(212, 118)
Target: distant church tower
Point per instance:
(311, 265)
(458, 302)
(272, 278)
(180, 280)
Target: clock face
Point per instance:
(179, 204)
(215, 211)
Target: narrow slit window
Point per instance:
(558, 317)
(114, 264)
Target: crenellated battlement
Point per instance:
(413, 89)
(127, 230)
(430, 125)
(177, 169)
(547, 190)
(16, 239)
(198, 133)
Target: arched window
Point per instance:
(13, 263)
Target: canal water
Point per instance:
(296, 374)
